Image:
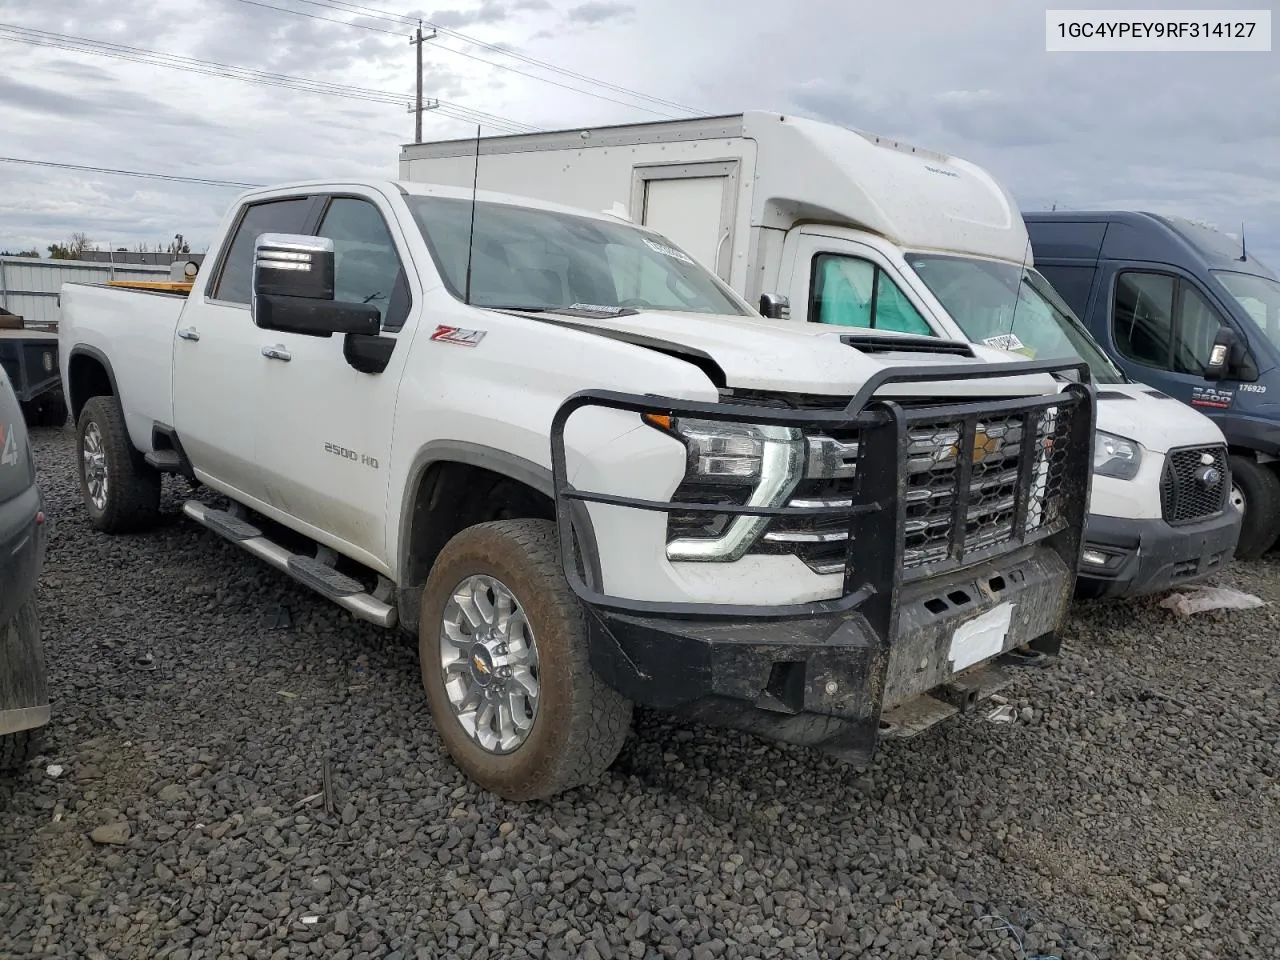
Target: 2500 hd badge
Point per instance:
(346, 454)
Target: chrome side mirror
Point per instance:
(775, 306)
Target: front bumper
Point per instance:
(24, 694)
(1146, 556)
(828, 681)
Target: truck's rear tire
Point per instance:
(517, 615)
(120, 490)
(18, 749)
(1255, 489)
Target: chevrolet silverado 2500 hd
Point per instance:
(587, 474)
(834, 226)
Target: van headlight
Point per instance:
(729, 462)
(1115, 456)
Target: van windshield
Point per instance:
(1002, 305)
(1260, 298)
(530, 259)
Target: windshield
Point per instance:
(1260, 298)
(543, 260)
(980, 295)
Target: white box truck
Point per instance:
(825, 224)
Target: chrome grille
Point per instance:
(1194, 484)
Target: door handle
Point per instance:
(189, 333)
(277, 352)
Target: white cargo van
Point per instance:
(820, 223)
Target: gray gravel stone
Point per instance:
(1133, 813)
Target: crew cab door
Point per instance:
(217, 369)
(324, 440)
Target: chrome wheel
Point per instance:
(95, 465)
(489, 661)
(1237, 498)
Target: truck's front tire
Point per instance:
(120, 491)
(521, 712)
(1255, 489)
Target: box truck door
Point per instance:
(694, 212)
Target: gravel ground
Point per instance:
(1129, 811)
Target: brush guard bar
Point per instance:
(876, 518)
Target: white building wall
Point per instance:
(29, 287)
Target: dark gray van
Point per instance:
(24, 693)
(1187, 310)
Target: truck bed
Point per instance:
(135, 328)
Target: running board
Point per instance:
(326, 581)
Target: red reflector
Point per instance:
(39, 518)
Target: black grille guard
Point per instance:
(873, 572)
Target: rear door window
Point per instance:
(235, 281)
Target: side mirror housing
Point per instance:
(775, 306)
(1224, 355)
(293, 289)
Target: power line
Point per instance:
(204, 181)
(116, 51)
(384, 16)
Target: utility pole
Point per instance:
(417, 40)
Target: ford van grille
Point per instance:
(1194, 484)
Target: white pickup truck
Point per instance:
(829, 225)
(587, 474)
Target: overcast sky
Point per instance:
(1189, 134)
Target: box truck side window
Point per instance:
(1162, 321)
(851, 292)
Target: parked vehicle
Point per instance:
(1187, 310)
(24, 692)
(587, 474)
(30, 359)
(824, 224)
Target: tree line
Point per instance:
(79, 244)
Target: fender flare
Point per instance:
(85, 350)
(533, 475)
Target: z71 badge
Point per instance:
(458, 336)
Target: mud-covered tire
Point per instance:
(580, 723)
(1260, 487)
(132, 497)
(18, 749)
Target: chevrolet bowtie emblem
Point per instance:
(984, 445)
(480, 664)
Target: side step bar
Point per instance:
(325, 580)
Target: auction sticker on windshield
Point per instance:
(667, 251)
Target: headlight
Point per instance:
(1116, 456)
(764, 462)
(745, 464)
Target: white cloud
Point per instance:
(1184, 133)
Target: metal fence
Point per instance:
(29, 287)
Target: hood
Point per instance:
(788, 356)
(1159, 423)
